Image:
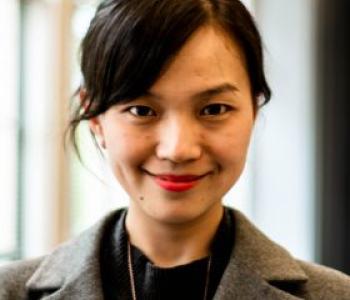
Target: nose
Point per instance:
(179, 141)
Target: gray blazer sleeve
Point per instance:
(13, 278)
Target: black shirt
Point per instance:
(152, 282)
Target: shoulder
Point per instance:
(14, 276)
(258, 255)
(324, 282)
(68, 262)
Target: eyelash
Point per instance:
(151, 113)
(227, 108)
(137, 107)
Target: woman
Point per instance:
(171, 92)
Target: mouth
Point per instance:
(175, 182)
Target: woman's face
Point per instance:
(178, 149)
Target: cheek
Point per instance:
(124, 160)
(230, 154)
(126, 149)
(232, 144)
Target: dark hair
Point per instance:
(131, 42)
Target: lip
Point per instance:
(173, 186)
(177, 183)
(178, 178)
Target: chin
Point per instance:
(178, 212)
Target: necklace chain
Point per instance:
(131, 274)
(132, 278)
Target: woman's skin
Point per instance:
(196, 119)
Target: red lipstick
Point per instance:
(177, 183)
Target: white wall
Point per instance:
(285, 146)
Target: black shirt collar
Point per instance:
(162, 283)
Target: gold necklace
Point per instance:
(132, 278)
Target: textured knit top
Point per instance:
(152, 282)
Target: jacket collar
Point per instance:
(73, 269)
(256, 264)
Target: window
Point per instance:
(9, 129)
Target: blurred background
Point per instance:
(296, 185)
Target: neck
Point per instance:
(168, 245)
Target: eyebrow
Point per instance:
(206, 94)
(217, 90)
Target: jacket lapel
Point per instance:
(72, 271)
(256, 265)
(239, 283)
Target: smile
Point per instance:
(177, 183)
(175, 186)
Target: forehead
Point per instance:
(209, 58)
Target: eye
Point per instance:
(215, 109)
(141, 111)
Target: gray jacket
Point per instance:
(258, 269)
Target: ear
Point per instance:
(95, 123)
(255, 113)
(256, 106)
(96, 127)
